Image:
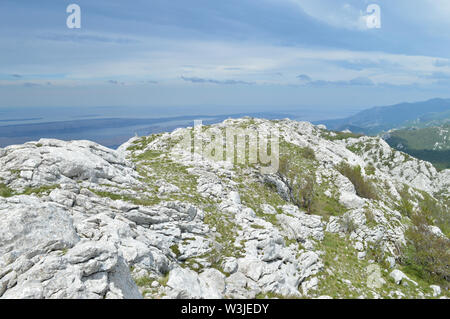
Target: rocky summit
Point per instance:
(341, 216)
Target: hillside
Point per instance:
(384, 118)
(429, 143)
(338, 216)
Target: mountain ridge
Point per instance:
(154, 220)
(383, 118)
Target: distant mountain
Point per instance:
(384, 118)
(430, 143)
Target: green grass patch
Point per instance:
(46, 189)
(5, 191)
(337, 136)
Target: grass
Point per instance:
(370, 170)
(298, 169)
(426, 254)
(326, 206)
(370, 218)
(271, 295)
(153, 164)
(256, 226)
(143, 142)
(144, 281)
(341, 259)
(348, 224)
(254, 194)
(420, 143)
(163, 280)
(175, 250)
(39, 190)
(227, 233)
(338, 135)
(8, 192)
(5, 191)
(405, 205)
(437, 212)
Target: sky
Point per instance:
(268, 54)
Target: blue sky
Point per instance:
(273, 54)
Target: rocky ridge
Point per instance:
(152, 220)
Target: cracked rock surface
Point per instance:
(151, 220)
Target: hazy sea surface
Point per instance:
(112, 126)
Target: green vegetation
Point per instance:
(370, 218)
(5, 191)
(348, 224)
(326, 206)
(151, 164)
(255, 193)
(163, 280)
(147, 281)
(439, 159)
(426, 254)
(370, 169)
(364, 188)
(8, 192)
(357, 148)
(422, 139)
(271, 295)
(144, 281)
(175, 250)
(431, 144)
(346, 276)
(307, 153)
(405, 206)
(335, 135)
(227, 233)
(39, 190)
(143, 142)
(436, 212)
(378, 119)
(298, 166)
(375, 251)
(341, 259)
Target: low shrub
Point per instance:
(305, 193)
(348, 224)
(405, 206)
(308, 153)
(426, 254)
(364, 188)
(5, 191)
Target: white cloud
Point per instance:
(349, 14)
(352, 14)
(166, 60)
